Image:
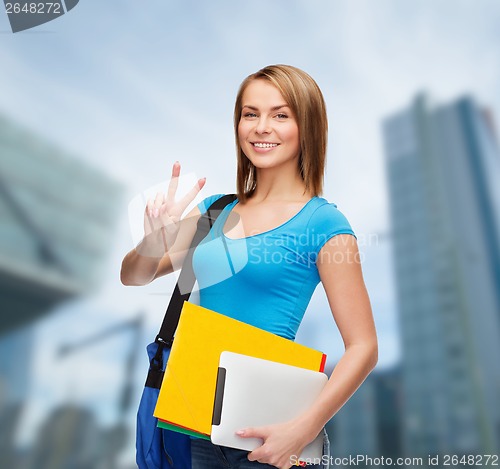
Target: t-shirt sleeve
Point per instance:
(206, 202)
(325, 223)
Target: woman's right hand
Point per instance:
(162, 216)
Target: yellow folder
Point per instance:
(187, 394)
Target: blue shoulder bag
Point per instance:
(157, 448)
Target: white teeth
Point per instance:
(265, 145)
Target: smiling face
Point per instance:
(267, 131)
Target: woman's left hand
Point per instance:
(282, 445)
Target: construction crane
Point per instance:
(115, 436)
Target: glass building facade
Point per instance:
(57, 217)
(443, 168)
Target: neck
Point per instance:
(280, 184)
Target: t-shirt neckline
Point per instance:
(236, 202)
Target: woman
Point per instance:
(292, 239)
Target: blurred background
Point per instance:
(98, 104)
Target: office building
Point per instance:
(369, 424)
(57, 221)
(443, 166)
(58, 215)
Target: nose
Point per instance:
(263, 126)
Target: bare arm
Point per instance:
(342, 278)
(340, 272)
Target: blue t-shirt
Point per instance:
(266, 280)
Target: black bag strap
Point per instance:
(187, 279)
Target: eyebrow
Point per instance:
(274, 108)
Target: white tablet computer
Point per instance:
(252, 392)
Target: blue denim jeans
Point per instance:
(206, 455)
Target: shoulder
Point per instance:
(327, 221)
(326, 215)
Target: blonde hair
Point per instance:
(303, 96)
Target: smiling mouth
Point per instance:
(264, 145)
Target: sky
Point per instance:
(131, 87)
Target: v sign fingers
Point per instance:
(190, 196)
(174, 182)
(159, 199)
(162, 216)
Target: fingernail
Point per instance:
(157, 212)
(176, 162)
(240, 432)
